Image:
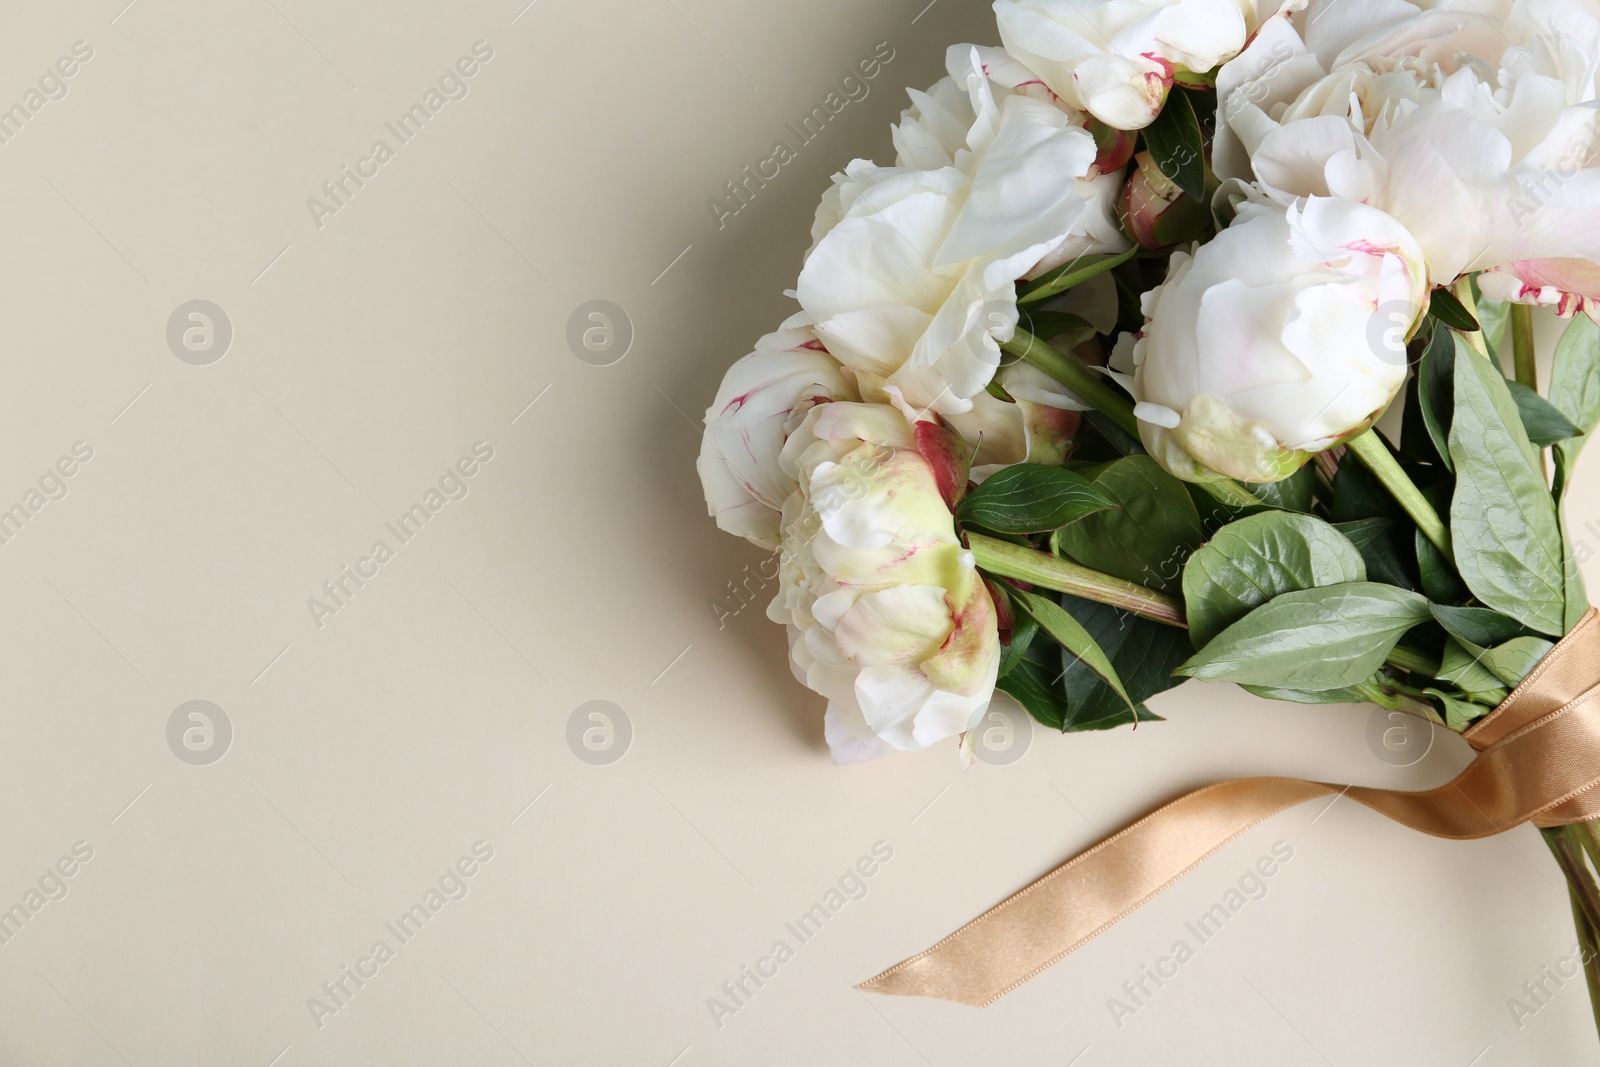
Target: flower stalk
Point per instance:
(1577, 852)
(1413, 661)
(1570, 845)
(1371, 450)
(1524, 361)
(1076, 375)
(1589, 948)
(1526, 368)
(1064, 576)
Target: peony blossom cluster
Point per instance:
(1246, 209)
(1369, 151)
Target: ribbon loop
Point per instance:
(1539, 761)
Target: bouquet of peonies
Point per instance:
(1082, 397)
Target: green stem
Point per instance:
(1526, 368)
(1409, 659)
(1396, 697)
(1569, 844)
(1524, 361)
(1587, 834)
(1073, 373)
(1064, 576)
(1371, 450)
(1569, 854)
(1589, 952)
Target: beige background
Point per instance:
(369, 754)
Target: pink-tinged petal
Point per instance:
(1115, 147)
(969, 659)
(762, 399)
(1568, 285)
(1005, 615)
(949, 457)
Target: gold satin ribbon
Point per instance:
(1538, 760)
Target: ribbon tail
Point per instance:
(1051, 918)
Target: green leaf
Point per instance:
(1439, 579)
(1493, 315)
(1458, 713)
(1293, 493)
(1376, 690)
(1143, 653)
(1575, 374)
(1314, 639)
(1358, 494)
(1502, 518)
(1355, 694)
(1023, 631)
(1462, 666)
(1447, 309)
(1178, 146)
(1436, 391)
(1379, 546)
(1416, 445)
(1545, 423)
(1075, 271)
(1255, 559)
(1029, 683)
(1102, 439)
(1577, 594)
(1512, 661)
(1478, 626)
(1215, 514)
(1575, 388)
(1031, 498)
(1071, 635)
(1566, 461)
(1146, 540)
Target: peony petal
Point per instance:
(847, 747)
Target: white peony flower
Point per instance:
(763, 398)
(887, 615)
(911, 276)
(1282, 336)
(1474, 125)
(1116, 59)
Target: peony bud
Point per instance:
(1156, 212)
(1279, 338)
(1115, 146)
